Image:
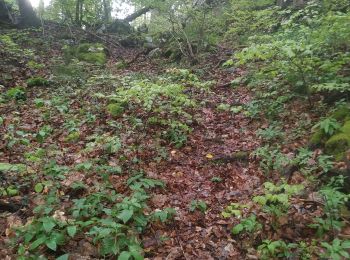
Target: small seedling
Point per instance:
(198, 204)
(216, 179)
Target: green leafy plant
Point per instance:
(163, 215)
(16, 93)
(337, 250)
(139, 182)
(201, 205)
(216, 179)
(275, 249)
(249, 225)
(275, 201)
(334, 202)
(328, 126)
(45, 231)
(271, 159)
(43, 133)
(270, 133)
(234, 209)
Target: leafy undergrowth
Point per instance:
(99, 162)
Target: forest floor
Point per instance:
(214, 166)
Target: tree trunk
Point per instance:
(5, 13)
(79, 12)
(28, 17)
(122, 26)
(137, 14)
(106, 11)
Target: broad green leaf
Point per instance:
(51, 243)
(345, 254)
(72, 230)
(346, 244)
(125, 255)
(63, 257)
(37, 242)
(126, 215)
(39, 187)
(48, 224)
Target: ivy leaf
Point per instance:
(72, 230)
(126, 215)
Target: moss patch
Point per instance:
(37, 81)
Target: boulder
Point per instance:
(91, 53)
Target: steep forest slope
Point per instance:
(190, 142)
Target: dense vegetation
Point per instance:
(196, 129)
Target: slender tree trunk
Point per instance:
(79, 12)
(28, 17)
(106, 11)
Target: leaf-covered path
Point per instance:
(214, 167)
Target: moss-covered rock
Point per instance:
(341, 113)
(337, 145)
(318, 138)
(94, 58)
(346, 128)
(115, 109)
(37, 81)
(92, 53)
